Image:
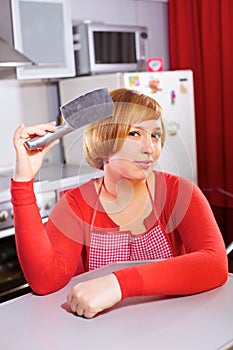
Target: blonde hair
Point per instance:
(106, 137)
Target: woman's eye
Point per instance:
(156, 135)
(134, 133)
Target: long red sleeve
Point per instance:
(48, 258)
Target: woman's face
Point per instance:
(139, 153)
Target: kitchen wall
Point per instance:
(24, 102)
(37, 101)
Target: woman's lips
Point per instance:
(144, 164)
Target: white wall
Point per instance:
(109, 11)
(22, 102)
(154, 15)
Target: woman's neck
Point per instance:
(127, 202)
(115, 188)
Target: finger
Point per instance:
(71, 301)
(79, 310)
(69, 297)
(89, 314)
(39, 130)
(73, 306)
(18, 132)
(17, 140)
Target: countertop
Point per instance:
(203, 321)
(51, 177)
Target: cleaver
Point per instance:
(90, 107)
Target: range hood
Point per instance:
(9, 57)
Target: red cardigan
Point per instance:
(50, 255)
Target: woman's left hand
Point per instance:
(93, 296)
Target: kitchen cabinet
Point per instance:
(42, 30)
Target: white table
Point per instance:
(203, 321)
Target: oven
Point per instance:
(12, 281)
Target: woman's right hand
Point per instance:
(28, 162)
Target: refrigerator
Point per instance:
(173, 90)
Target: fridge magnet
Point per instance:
(134, 81)
(173, 97)
(173, 128)
(154, 85)
(183, 89)
(154, 64)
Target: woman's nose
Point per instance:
(147, 145)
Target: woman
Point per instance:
(130, 213)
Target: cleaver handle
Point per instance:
(40, 141)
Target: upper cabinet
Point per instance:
(42, 31)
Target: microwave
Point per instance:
(102, 48)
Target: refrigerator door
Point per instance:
(173, 90)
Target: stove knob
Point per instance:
(3, 215)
